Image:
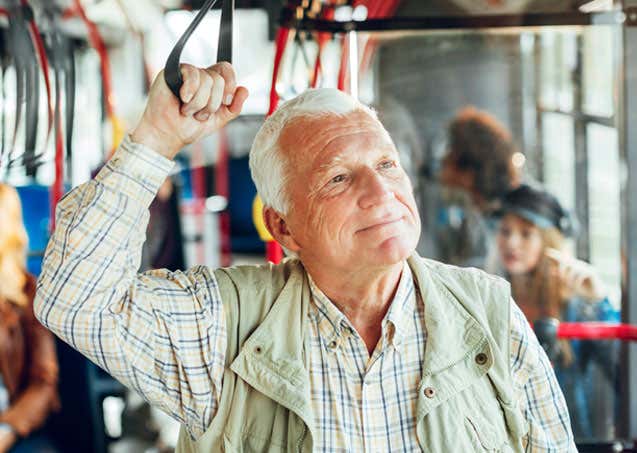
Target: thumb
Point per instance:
(228, 113)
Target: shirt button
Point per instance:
(332, 345)
(429, 392)
(481, 358)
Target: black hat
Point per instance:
(538, 207)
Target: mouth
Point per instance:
(380, 224)
(510, 258)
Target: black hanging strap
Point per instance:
(172, 72)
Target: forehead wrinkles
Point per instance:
(306, 141)
(305, 133)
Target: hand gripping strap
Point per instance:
(172, 71)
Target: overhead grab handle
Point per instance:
(172, 71)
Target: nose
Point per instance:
(512, 240)
(374, 190)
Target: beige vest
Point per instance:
(265, 403)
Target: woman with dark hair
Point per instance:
(481, 163)
(28, 362)
(546, 282)
(480, 157)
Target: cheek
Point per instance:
(323, 218)
(501, 243)
(533, 252)
(405, 194)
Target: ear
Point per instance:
(278, 228)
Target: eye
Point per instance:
(388, 164)
(338, 178)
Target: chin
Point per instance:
(516, 269)
(395, 250)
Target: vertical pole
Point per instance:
(581, 156)
(629, 228)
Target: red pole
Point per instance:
(273, 251)
(597, 331)
(57, 190)
(97, 42)
(282, 36)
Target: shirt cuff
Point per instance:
(135, 171)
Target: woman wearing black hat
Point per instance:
(547, 282)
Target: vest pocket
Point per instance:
(485, 418)
(470, 421)
(248, 443)
(484, 435)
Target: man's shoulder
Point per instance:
(486, 297)
(465, 274)
(250, 292)
(255, 273)
(256, 287)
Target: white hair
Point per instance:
(267, 163)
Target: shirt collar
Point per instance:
(400, 313)
(333, 323)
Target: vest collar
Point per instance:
(272, 360)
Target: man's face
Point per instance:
(351, 203)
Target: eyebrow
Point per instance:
(327, 166)
(386, 150)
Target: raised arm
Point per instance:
(161, 333)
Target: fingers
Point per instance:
(190, 75)
(240, 96)
(226, 71)
(582, 280)
(555, 255)
(214, 98)
(579, 276)
(206, 91)
(227, 114)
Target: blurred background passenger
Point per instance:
(28, 362)
(548, 282)
(163, 248)
(480, 158)
(480, 169)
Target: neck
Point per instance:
(363, 297)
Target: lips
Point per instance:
(509, 257)
(380, 224)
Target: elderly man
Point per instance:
(356, 344)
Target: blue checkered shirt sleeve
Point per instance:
(540, 396)
(161, 333)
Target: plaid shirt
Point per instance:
(367, 403)
(163, 333)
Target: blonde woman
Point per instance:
(547, 282)
(28, 363)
